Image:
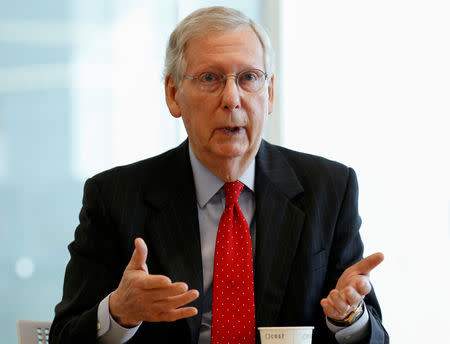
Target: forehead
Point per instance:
(238, 48)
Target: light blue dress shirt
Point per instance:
(210, 206)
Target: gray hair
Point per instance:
(204, 21)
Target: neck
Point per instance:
(228, 169)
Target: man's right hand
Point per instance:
(144, 297)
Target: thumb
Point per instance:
(139, 257)
(366, 265)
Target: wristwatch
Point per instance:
(351, 318)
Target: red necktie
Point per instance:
(233, 308)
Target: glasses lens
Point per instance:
(209, 81)
(251, 80)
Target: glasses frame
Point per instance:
(225, 78)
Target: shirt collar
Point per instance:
(207, 183)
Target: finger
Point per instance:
(139, 257)
(363, 286)
(366, 265)
(177, 301)
(151, 282)
(169, 291)
(179, 313)
(352, 297)
(329, 310)
(340, 304)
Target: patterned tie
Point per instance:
(233, 314)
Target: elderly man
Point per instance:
(225, 233)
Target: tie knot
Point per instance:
(232, 191)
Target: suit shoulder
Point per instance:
(305, 161)
(314, 173)
(148, 169)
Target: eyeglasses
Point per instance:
(211, 81)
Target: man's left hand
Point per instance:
(351, 288)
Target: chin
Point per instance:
(233, 153)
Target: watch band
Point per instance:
(351, 318)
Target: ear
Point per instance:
(172, 89)
(271, 94)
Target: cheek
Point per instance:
(187, 123)
(257, 112)
(193, 124)
(198, 107)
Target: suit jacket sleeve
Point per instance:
(347, 249)
(91, 273)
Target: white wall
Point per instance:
(367, 83)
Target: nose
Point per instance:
(231, 97)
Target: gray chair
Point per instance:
(33, 332)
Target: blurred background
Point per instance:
(362, 82)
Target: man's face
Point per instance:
(227, 124)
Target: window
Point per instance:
(81, 90)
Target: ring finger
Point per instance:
(341, 306)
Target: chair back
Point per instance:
(33, 332)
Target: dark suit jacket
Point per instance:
(307, 234)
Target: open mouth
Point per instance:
(232, 129)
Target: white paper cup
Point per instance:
(286, 335)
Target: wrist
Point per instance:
(116, 314)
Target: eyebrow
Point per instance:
(211, 69)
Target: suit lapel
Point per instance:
(278, 227)
(173, 226)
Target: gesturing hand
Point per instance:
(351, 288)
(144, 297)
